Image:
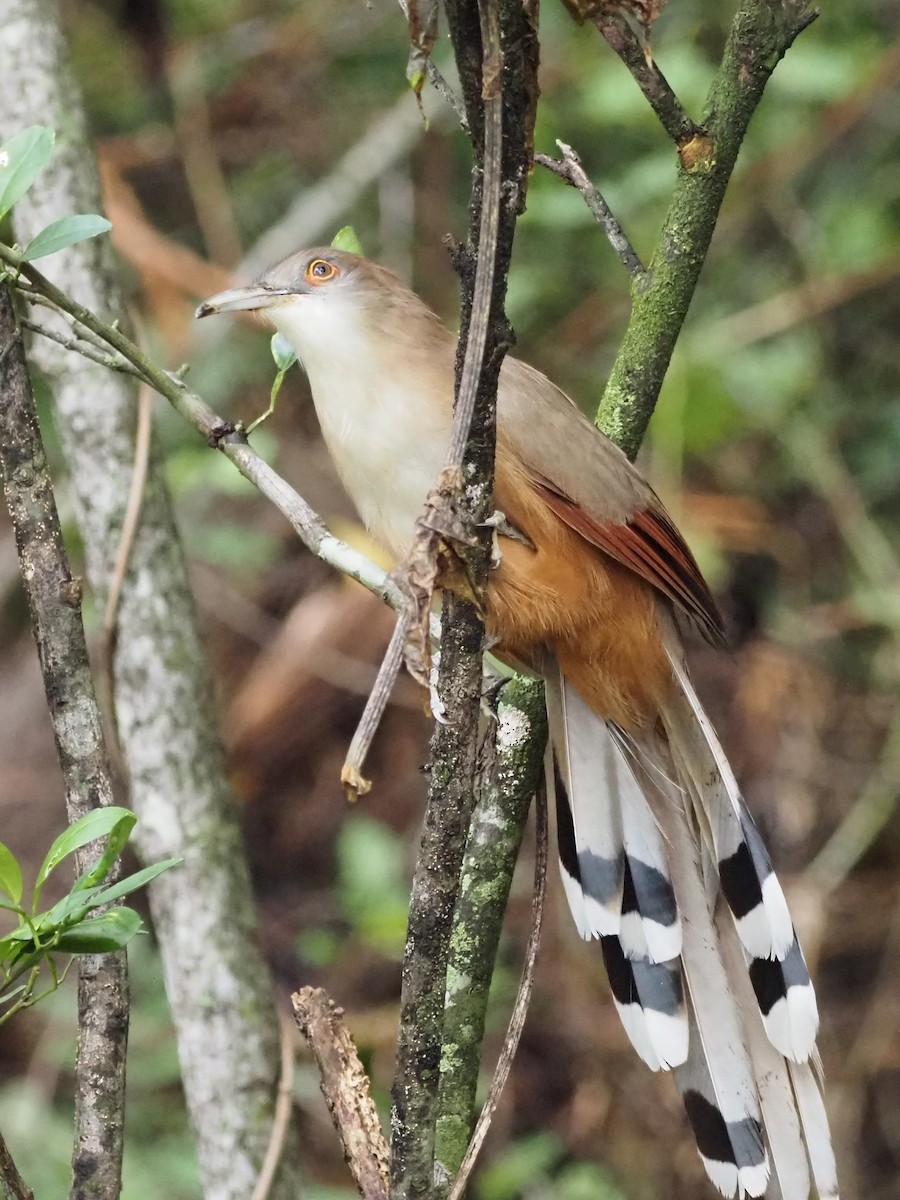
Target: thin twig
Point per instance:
(284, 1104)
(440, 84)
(132, 514)
(485, 268)
(102, 358)
(222, 435)
(345, 1087)
(143, 434)
(520, 1009)
(571, 170)
(82, 332)
(647, 75)
(351, 772)
(761, 33)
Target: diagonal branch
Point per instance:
(761, 33)
(647, 75)
(570, 169)
(221, 435)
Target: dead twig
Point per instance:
(570, 169)
(345, 1087)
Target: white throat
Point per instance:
(388, 442)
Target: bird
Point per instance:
(661, 863)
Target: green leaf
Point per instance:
(117, 840)
(9, 946)
(22, 159)
(125, 886)
(97, 824)
(101, 935)
(282, 352)
(10, 875)
(65, 232)
(71, 909)
(346, 239)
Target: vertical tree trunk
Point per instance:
(216, 979)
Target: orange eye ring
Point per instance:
(320, 270)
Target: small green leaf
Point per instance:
(97, 824)
(282, 352)
(125, 886)
(101, 935)
(346, 239)
(9, 946)
(116, 842)
(10, 875)
(22, 159)
(65, 232)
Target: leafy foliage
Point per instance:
(74, 925)
(22, 159)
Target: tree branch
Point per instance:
(54, 599)
(493, 88)
(345, 1087)
(571, 170)
(647, 75)
(508, 781)
(761, 33)
(216, 976)
(12, 1185)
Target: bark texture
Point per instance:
(54, 599)
(216, 979)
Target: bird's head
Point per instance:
(315, 298)
(343, 315)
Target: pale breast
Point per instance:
(388, 450)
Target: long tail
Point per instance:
(653, 836)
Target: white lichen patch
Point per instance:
(457, 981)
(514, 730)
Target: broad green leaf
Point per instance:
(65, 232)
(282, 352)
(346, 239)
(97, 824)
(101, 935)
(10, 875)
(73, 907)
(106, 895)
(22, 159)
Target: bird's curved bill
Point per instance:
(240, 299)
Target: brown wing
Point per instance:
(591, 486)
(650, 545)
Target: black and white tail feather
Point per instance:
(661, 861)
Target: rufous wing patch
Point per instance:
(650, 545)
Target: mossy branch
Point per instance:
(509, 780)
(761, 33)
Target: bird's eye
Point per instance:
(320, 271)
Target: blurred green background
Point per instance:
(776, 444)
